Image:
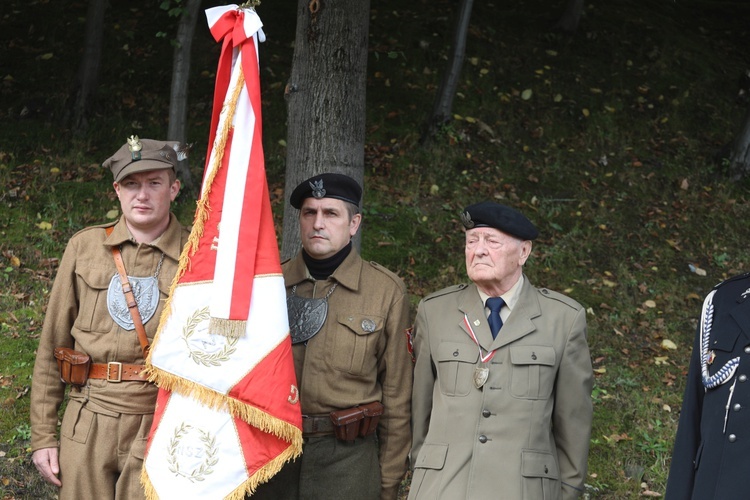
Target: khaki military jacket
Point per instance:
(77, 316)
(345, 365)
(524, 435)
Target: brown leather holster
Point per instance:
(360, 421)
(73, 365)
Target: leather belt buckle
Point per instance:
(118, 367)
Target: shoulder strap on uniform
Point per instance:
(129, 297)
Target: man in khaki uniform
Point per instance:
(107, 420)
(348, 320)
(502, 393)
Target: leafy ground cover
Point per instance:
(606, 139)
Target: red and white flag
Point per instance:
(227, 415)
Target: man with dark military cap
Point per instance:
(348, 319)
(711, 455)
(501, 405)
(109, 411)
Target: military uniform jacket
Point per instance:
(77, 316)
(525, 433)
(348, 362)
(711, 461)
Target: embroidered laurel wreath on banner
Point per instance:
(202, 357)
(208, 450)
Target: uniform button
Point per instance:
(483, 438)
(743, 378)
(486, 413)
(747, 350)
(732, 438)
(737, 407)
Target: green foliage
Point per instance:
(605, 139)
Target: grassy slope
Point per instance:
(611, 155)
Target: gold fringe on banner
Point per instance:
(231, 328)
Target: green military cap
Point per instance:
(140, 155)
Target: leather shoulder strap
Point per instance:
(129, 297)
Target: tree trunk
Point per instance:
(178, 100)
(739, 157)
(571, 17)
(442, 111)
(325, 99)
(87, 79)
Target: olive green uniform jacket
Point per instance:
(525, 433)
(77, 317)
(345, 365)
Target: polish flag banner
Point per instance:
(227, 415)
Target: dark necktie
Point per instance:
(496, 323)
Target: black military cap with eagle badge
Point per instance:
(505, 219)
(329, 185)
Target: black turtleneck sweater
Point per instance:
(321, 269)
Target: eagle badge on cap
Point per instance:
(317, 189)
(135, 146)
(466, 220)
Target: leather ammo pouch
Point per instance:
(372, 412)
(359, 421)
(346, 423)
(73, 365)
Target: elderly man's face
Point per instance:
(325, 226)
(494, 259)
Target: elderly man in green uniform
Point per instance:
(348, 319)
(502, 382)
(111, 404)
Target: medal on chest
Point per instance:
(306, 316)
(481, 371)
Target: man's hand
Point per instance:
(46, 463)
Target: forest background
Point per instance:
(612, 140)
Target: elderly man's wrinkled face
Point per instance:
(494, 259)
(326, 226)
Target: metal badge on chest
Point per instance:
(146, 292)
(306, 316)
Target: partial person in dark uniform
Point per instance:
(501, 405)
(348, 319)
(91, 339)
(711, 456)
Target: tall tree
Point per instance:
(178, 97)
(442, 110)
(568, 22)
(739, 148)
(87, 79)
(325, 98)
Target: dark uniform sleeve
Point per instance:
(682, 470)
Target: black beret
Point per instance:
(506, 219)
(338, 186)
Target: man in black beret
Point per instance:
(502, 380)
(347, 319)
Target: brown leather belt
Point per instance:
(317, 425)
(118, 372)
